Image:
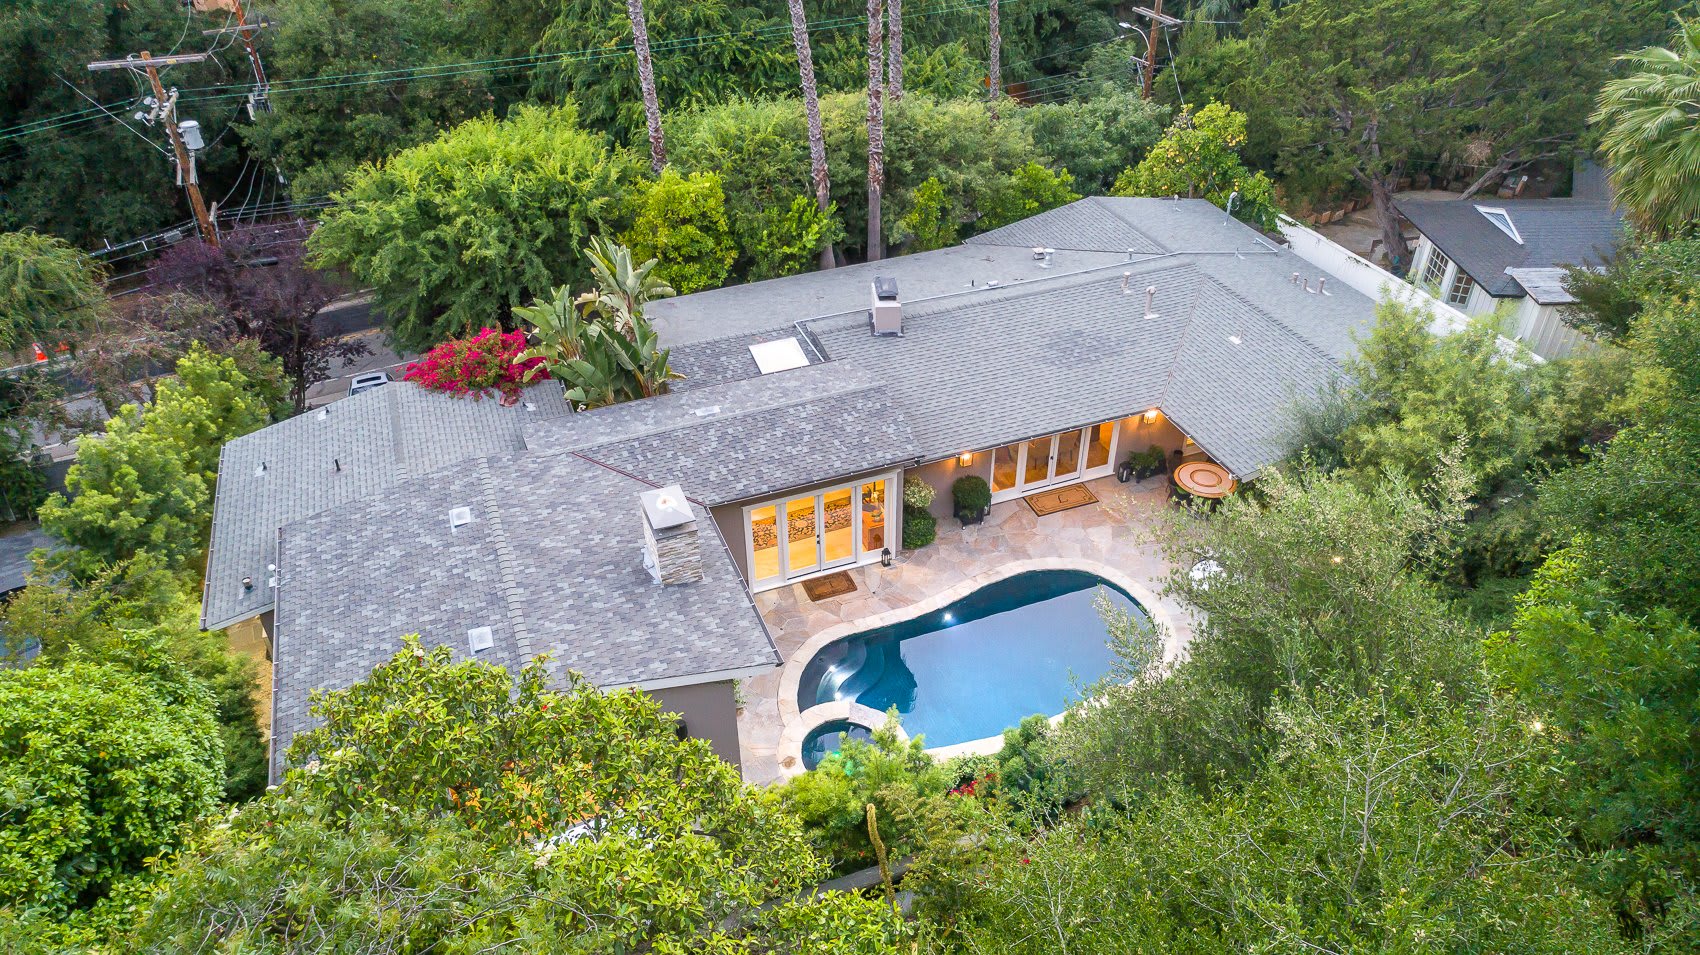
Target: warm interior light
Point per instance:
(965, 458)
(1151, 416)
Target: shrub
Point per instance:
(917, 493)
(971, 493)
(920, 527)
(1148, 461)
(474, 366)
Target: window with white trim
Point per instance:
(1434, 270)
(1459, 291)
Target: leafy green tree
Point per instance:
(1620, 692)
(1199, 158)
(790, 239)
(1367, 94)
(907, 789)
(49, 291)
(454, 806)
(932, 221)
(1369, 828)
(1317, 583)
(1652, 134)
(101, 770)
(129, 491)
(1643, 273)
(206, 403)
(453, 233)
(680, 220)
(1097, 137)
(1027, 191)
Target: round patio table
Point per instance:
(1204, 479)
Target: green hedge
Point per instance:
(919, 527)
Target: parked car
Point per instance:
(368, 381)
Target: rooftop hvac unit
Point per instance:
(887, 313)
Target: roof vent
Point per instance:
(887, 312)
(480, 639)
(459, 517)
(260, 470)
(1043, 255)
(707, 411)
(1150, 299)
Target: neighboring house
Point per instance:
(1479, 256)
(627, 542)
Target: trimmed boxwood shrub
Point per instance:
(919, 527)
(972, 494)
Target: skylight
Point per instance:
(1501, 221)
(781, 355)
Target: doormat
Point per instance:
(1061, 499)
(832, 585)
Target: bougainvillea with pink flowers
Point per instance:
(475, 366)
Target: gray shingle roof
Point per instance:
(348, 450)
(551, 563)
(1555, 232)
(15, 549)
(747, 437)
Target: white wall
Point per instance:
(1544, 331)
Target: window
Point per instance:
(1459, 292)
(1502, 221)
(1434, 270)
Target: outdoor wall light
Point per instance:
(1151, 416)
(965, 458)
(885, 557)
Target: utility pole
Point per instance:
(260, 100)
(165, 109)
(1159, 20)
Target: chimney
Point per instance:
(671, 552)
(887, 314)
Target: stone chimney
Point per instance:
(671, 551)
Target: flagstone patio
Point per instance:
(1112, 538)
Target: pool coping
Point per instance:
(790, 751)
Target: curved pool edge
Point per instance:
(791, 739)
(791, 675)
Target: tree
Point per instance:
(259, 280)
(452, 806)
(680, 220)
(932, 221)
(1369, 828)
(1652, 134)
(876, 129)
(1095, 138)
(1028, 191)
(1199, 158)
(1365, 93)
(646, 81)
(453, 233)
(1619, 690)
(598, 361)
(994, 59)
(49, 291)
(792, 238)
(811, 114)
(206, 403)
(624, 288)
(894, 50)
(104, 770)
(1643, 273)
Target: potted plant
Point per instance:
(919, 526)
(973, 497)
(1142, 464)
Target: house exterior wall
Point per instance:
(1542, 328)
(730, 520)
(710, 712)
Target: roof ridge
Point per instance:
(1110, 207)
(754, 409)
(506, 566)
(1180, 346)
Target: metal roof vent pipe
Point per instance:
(1322, 285)
(1043, 256)
(672, 552)
(1150, 299)
(887, 312)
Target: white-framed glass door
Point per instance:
(808, 534)
(1038, 463)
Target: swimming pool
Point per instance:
(1013, 648)
(828, 737)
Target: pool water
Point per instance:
(828, 737)
(1020, 646)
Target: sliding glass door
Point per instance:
(1038, 463)
(821, 530)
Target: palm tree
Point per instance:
(876, 127)
(1652, 140)
(811, 109)
(646, 80)
(894, 50)
(994, 56)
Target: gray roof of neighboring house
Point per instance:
(746, 437)
(551, 562)
(1555, 232)
(1545, 286)
(348, 450)
(15, 549)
